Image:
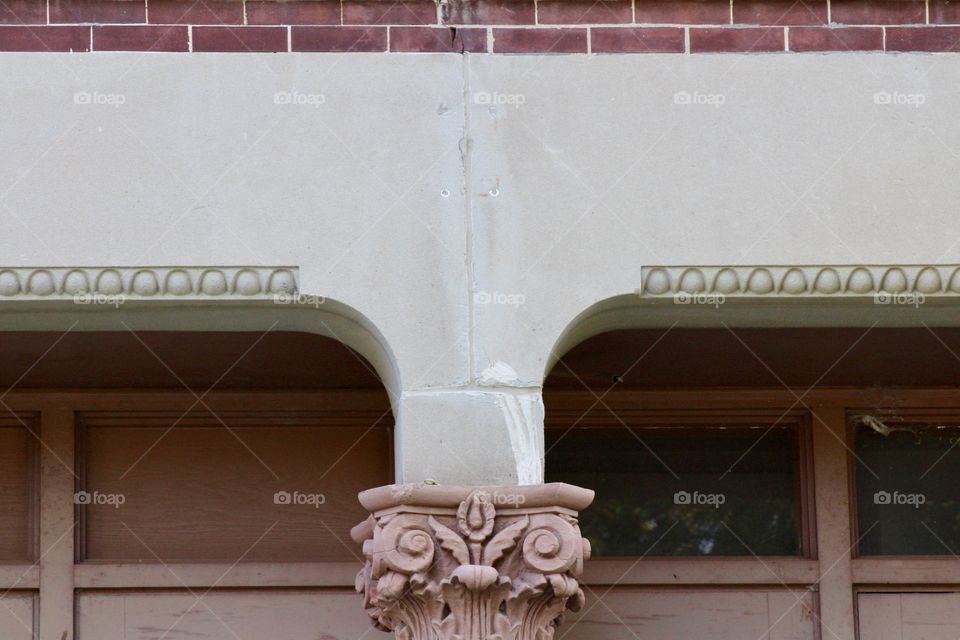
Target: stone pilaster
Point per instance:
(472, 563)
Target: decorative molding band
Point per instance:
(90, 284)
(801, 281)
(472, 563)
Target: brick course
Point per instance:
(137, 38)
(32, 38)
(357, 39)
(240, 39)
(827, 39)
(744, 39)
(193, 12)
(482, 26)
(554, 40)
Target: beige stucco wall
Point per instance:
(459, 212)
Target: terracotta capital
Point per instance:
(472, 563)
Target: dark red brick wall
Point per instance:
(481, 26)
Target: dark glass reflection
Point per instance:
(697, 491)
(908, 489)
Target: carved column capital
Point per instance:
(472, 563)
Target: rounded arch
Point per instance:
(618, 312)
(315, 315)
(631, 311)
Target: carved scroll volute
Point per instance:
(456, 563)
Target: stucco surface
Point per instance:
(602, 169)
(461, 211)
(210, 160)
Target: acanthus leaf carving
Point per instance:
(443, 563)
(450, 541)
(504, 541)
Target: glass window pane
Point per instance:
(907, 499)
(696, 491)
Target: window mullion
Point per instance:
(834, 536)
(57, 535)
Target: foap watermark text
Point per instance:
(493, 99)
(303, 299)
(86, 498)
(699, 98)
(106, 299)
(298, 99)
(900, 299)
(498, 297)
(503, 499)
(299, 499)
(896, 498)
(899, 99)
(697, 498)
(706, 299)
(97, 98)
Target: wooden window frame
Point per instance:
(201, 418)
(56, 576)
(910, 414)
(833, 571)
(797, 421)
(29, 420)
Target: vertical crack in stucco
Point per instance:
(466, 151)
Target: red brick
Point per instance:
(585, 11)
(945, 11)
(472, 40)
(437, 40)
(294, 12)
(923, 39)
(339, 39)
(785, 12)
(540, 40)
(736, 39)
(389, 12)
(878, 11)
(195, 11)
(489, 12)
(140, 38)
(67, 38)
(637, 40)
(836, 39)
(683, 11)
(240, 39)
(119, 11)
(23, 12)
